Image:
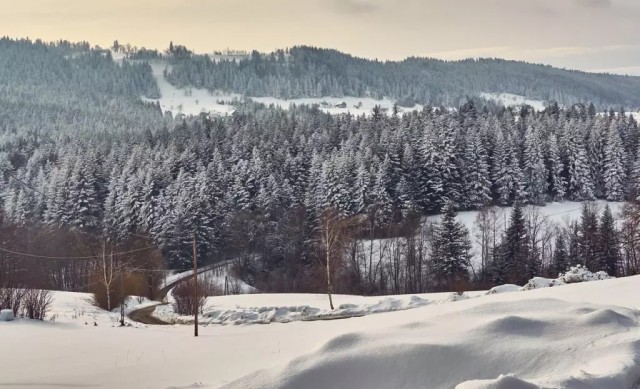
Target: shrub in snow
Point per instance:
(6, 315)
(36, 303)
(184, 297)
(11, 298)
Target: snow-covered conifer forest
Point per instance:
(83, 156)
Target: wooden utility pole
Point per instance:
(122, 297)
(195, 287)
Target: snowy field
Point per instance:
(509, 100)
(556, 214)
(579, 336)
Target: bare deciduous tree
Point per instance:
(334, 232)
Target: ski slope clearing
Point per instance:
(582, 335)
(511, 100)
(189, 101)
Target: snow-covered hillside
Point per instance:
(193, 101)
(580, 335)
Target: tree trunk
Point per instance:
(329, 286)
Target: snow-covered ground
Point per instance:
(79, 309)
(556, 214)
(509, 100)
(576, 336)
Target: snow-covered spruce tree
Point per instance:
(557, 182)
(597, 135)
(535, 171)
(635, 178)
(588, 237)
(580, 182)
(432, 186)
(608, 244)
(560, 262)
(508, 176)
(614, 166)
(477, 186)
(451, 251)
(381, 200)
(511, 266)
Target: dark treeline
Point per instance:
(312, 72)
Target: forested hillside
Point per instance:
(312, 72)
(71, 86)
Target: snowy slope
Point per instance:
(576, 336)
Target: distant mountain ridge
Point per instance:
(304, 71)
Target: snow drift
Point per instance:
(516, 344)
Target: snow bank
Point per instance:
(510, 343)
(507, 288)
(574, 275)
(288, 314)
(6, 315)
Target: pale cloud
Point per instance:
(583, 34)
(356, 6)
(595, 3)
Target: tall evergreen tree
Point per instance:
(511, 266)
(451, 254)
(614, 166)
(608, 244)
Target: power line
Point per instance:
(73, 258)
(23, 183)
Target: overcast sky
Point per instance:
(581, 34)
